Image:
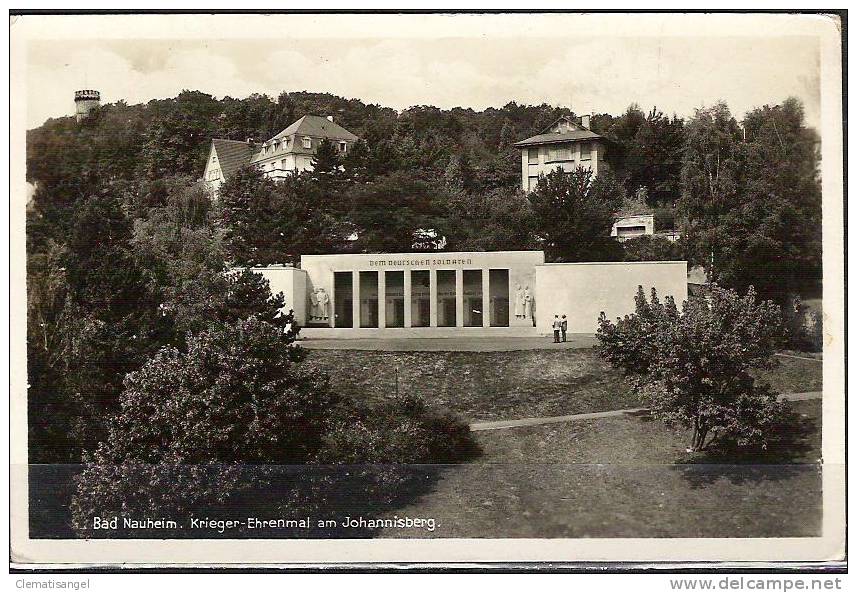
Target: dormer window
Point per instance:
(307, 142)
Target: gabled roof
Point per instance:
(548, 137)
(232, 154)
(572, 136)
(317, 127)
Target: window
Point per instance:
(585, 151)
(369, 299)
(498, 294)
(343, 295)
(630, 231)
(560, 152)
(394, 298)
(533, 156)
(446, 307)
(343, 147)
(420, 298)
(532, 182)
(473, 309)
(307, 142)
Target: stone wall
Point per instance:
(581, 291)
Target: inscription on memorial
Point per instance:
(375, 263)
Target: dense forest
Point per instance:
(126, 252)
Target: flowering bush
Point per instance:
(692, 366)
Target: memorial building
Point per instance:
(495, 293)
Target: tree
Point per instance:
(751, 199)
(177, 141)
(266, 222)
(326, 161)
(573, 215)
(200, 424)
(501, 219)
(102, 273)
(651, 248)
(692, 366)
(236, 395)
(459, 176)
(389, 213)
(356, 161)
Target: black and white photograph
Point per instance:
(463, 287)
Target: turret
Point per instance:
(85, 102)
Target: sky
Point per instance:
(465, 66)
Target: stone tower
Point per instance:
(85, 102)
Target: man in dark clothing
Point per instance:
(557, 326)
(564, 327)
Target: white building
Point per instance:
(566, 145)
(633, 225)
(291, 151)
(494, 293)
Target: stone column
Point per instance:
(432, 298)
(355, 299)
(407, 298)
(486, 298)
(459, 298)
(332, 305)
(382, 299)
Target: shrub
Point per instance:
(200, 425)
(402, 430)
(189, 417)
(692, 366)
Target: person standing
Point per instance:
(563, 327)
(557, 326)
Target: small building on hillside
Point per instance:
(565, 144)
(291, 151)
(633, 225)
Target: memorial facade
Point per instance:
(499, 293)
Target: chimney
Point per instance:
(330, 118)
(584, 121)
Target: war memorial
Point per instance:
(479, 294)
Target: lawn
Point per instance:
(627, 476)
(508, 385)
(623, 477)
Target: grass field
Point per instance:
(508, 385)
(626, 476)
(622, 477)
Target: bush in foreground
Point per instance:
(199, 425)
(692, 366)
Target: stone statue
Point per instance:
(519, 301)
(528, 303)
(313, 305)
(323, 300)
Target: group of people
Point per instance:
(560, 327)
